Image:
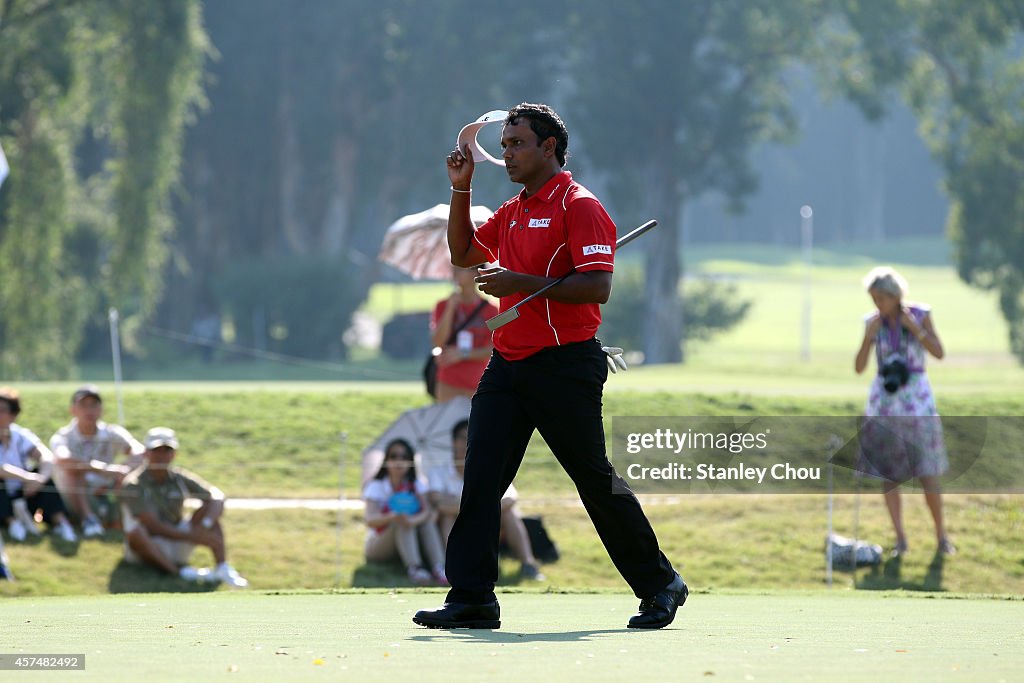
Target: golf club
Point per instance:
(511, 314)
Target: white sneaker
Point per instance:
(420, 576)
(16, 530)
(22, 514)
(199, 575)
(66, 533)
(92, 528)
(227, 574)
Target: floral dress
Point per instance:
(901, 437)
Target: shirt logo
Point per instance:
(540, 222)
(597, 249)
(512, 225)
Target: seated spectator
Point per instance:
(445, 493)
(25, 467)
(156, 531)
(400, 519)
(85, 451)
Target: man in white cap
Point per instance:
(156, 531)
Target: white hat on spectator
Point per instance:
(161, 436)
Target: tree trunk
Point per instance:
(868, 212)
(290, 156)
(338, 216)
(663, 323)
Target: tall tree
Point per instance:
(42, 293)
(676, 95)
(159, 67)
(85, 126)
(959, 65)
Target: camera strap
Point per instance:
(465, 323)
(895, 337)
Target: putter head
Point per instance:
(502, 319)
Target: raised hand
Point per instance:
(909, 322)
(460, 168)
(874, 324)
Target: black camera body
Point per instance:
(895, 373)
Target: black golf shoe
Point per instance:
(460, 615)
(659, 610)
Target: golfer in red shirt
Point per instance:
(547, 372)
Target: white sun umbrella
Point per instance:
(417, 244)
(427, 429)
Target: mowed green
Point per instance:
(808, 636)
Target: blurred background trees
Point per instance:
(187, 160)
(94, 97)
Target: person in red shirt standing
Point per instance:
(458, 327)
(547, 372)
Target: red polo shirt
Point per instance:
(560, 228)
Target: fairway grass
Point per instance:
(778, 636)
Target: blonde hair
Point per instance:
(886, 279)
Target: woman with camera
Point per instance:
(902, 434)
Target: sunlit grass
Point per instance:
(719, 542)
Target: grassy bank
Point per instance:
(283, 440)
(717, 542)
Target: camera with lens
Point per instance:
(895, 373)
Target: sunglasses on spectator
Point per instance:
(399, 455)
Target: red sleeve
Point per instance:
(591, 235)
(485, 238)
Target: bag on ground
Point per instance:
(430, 375)
(544, 549)
(845, 551)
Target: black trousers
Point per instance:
(46, 499)
(558, 392)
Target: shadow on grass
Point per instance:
(62, 547)
(134, 578)
(380, 575)
(66, 549)
(509, 638)
(57, 544)
(393, 575)
(889, 577)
